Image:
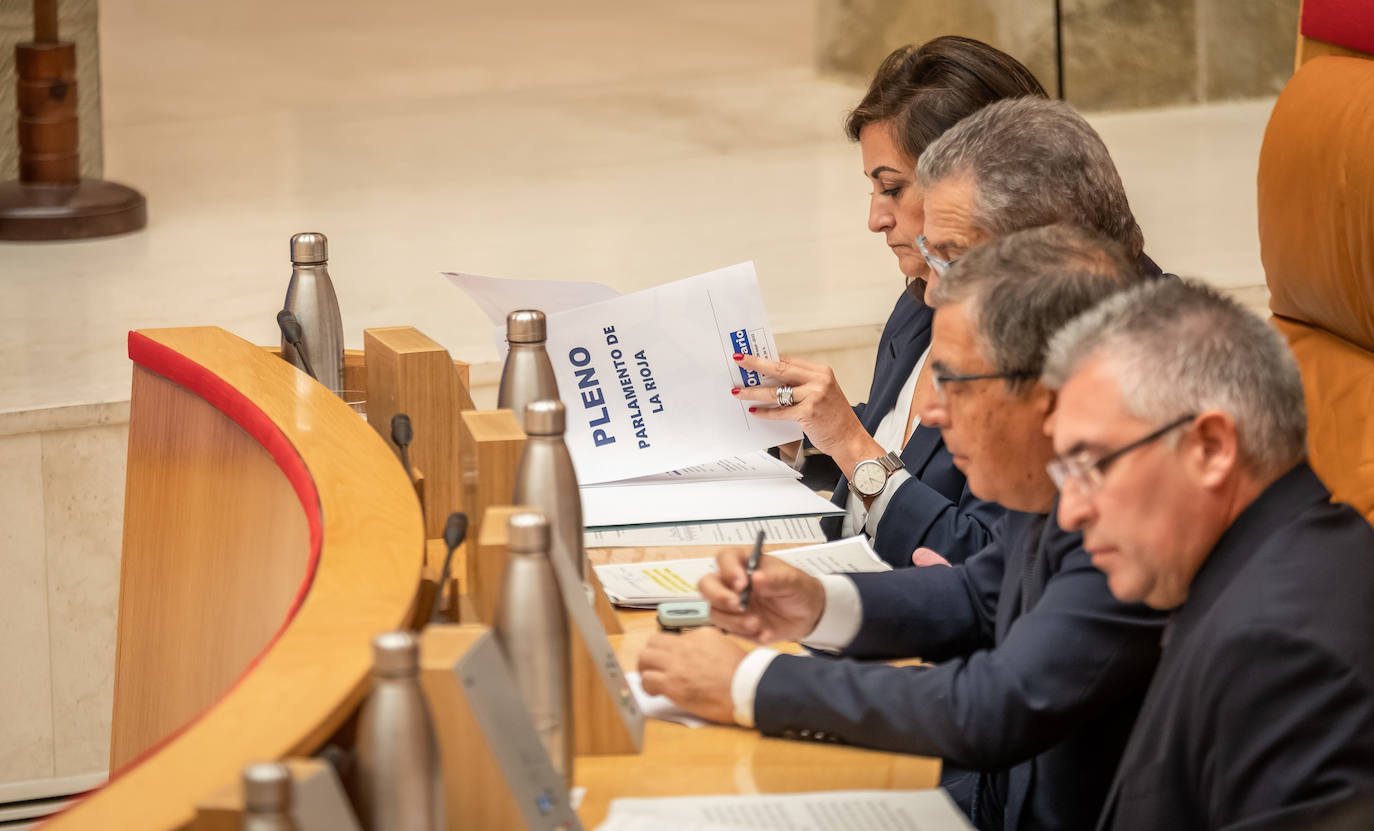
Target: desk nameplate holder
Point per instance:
(497, 774)
(606, 718)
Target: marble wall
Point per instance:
(1118, 54)
(77, 21)
(62, 496)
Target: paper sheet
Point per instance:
(617, 504)
(756, 465)
(648, 584)
(646, 377)
(930, 810)
(499, 296)
(660, 706)
(791, 529)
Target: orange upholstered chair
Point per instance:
(1316, 228)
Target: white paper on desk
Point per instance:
(660, 707)
(786, 529)
(615, 504)
(756, 465)
(499, 296)
(647, 584)
(645, 822)
(646, 377)
(930, 810)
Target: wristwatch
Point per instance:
(871, 475)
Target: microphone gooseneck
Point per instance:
(403, 434)
(291, 330)
(454, 532)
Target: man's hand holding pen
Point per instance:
(783, 603)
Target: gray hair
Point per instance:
(1034, 162)
(1179, 347)
(1022, 287)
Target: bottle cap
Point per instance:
(527, 533)
(395, 655)
(267, 788)
(526, 326)
(309, 248)
(545, 418)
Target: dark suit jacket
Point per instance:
(1262, 711)
(1040, 677)
(934, 508)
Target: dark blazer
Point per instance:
(1041, 673)
(934, 508)
(1262, 711)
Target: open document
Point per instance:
(930, 810)
(620, 504)
(748, 487)
(645, 585)
(646, 377)
(740, 532)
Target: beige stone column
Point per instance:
(1118, 54)
(78, 21)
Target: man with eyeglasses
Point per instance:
(1013, 165)
(1181, 435)
(1040, 669)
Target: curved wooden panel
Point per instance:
(205, 581)
(360, 571)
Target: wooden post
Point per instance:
(409, 373)
(496, 444)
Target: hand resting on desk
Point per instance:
(693, 669)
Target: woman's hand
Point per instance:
(819, 406)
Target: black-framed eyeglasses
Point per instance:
(939, 266)
(940, 380)
(1089, 473)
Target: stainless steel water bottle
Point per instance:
(547, 480)
(527, 375)
(267, 797)
(396, 783)
(310, 297)
(532, 628)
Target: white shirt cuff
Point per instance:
(843, 615)
(875, 511)
(745, 683)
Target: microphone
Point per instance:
(454, 532)
(291, 330)
(403, 434)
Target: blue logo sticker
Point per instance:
(739, 339)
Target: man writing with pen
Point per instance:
(1039, 671)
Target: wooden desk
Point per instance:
(347, 571)
(679, 761)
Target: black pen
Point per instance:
(749, 572)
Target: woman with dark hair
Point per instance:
(912, 500)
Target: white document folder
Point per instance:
(646, 377)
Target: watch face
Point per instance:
(869, 478)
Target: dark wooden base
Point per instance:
(93, 208)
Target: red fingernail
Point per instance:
(734, 391)
(753, 409)
(737, 356)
